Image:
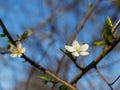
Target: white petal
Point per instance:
(75, 44)
(11, 47)
(69, 48)
(13, 55)
(23, 50)
(75, 54)
(19, 55)
(84, 53)
(84, 47)
(19, 45)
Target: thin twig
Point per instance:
(115, 26)
(115, 80)
(34, 63)
(4, 51)
(83, 21)
(77, 30)
(97, 60)
(103, 78)
(29, 79)
(73, 60)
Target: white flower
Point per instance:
(16, 51)
(76, 49)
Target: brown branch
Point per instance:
(77, 30)
(29, 79)
(93, 64)
(83, 21)
(4, 51)
(5, 31)
(116, 26)
(34, 63)
(74, 60)
(58, 68)
(96, 61)
(103, 78)
(79, 27)
(115, 80)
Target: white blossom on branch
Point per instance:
(77, 49)
(16, 51)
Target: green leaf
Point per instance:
(62, 87)
(83, 66)
(89, 5)
(99, 43)
(107, 33)
(109, 21)
(45, 79)
(9, 44)
(23, 36)
(2, 35)
(104, 51)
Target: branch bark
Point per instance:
(106, 50)
(34, 63)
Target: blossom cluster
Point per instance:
(77, 49)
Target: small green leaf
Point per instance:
(9, 44)
(62, 87)
(109, 21)
(82, 66)
(99, 43)
(45, 79)
(2, 35)
(107, 33)
(104, 51)
(23, 36)
(89, 5)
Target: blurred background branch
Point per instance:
(51, 24)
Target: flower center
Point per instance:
(18, 51)
(78, 50)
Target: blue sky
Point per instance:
(21, 15)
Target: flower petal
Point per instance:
(23, 50)
(75, 44)
(84, 47)
(19, 55)
(69, 48)
(13, 55)
(83, 53)
(75, 54)
(11, 47)
(19, 45)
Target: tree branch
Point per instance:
(77, 30)
(103, 78)
(83, 21)
(116, 26)
(34, 63)
(73, 60)
(105, 51)
(115, 80)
